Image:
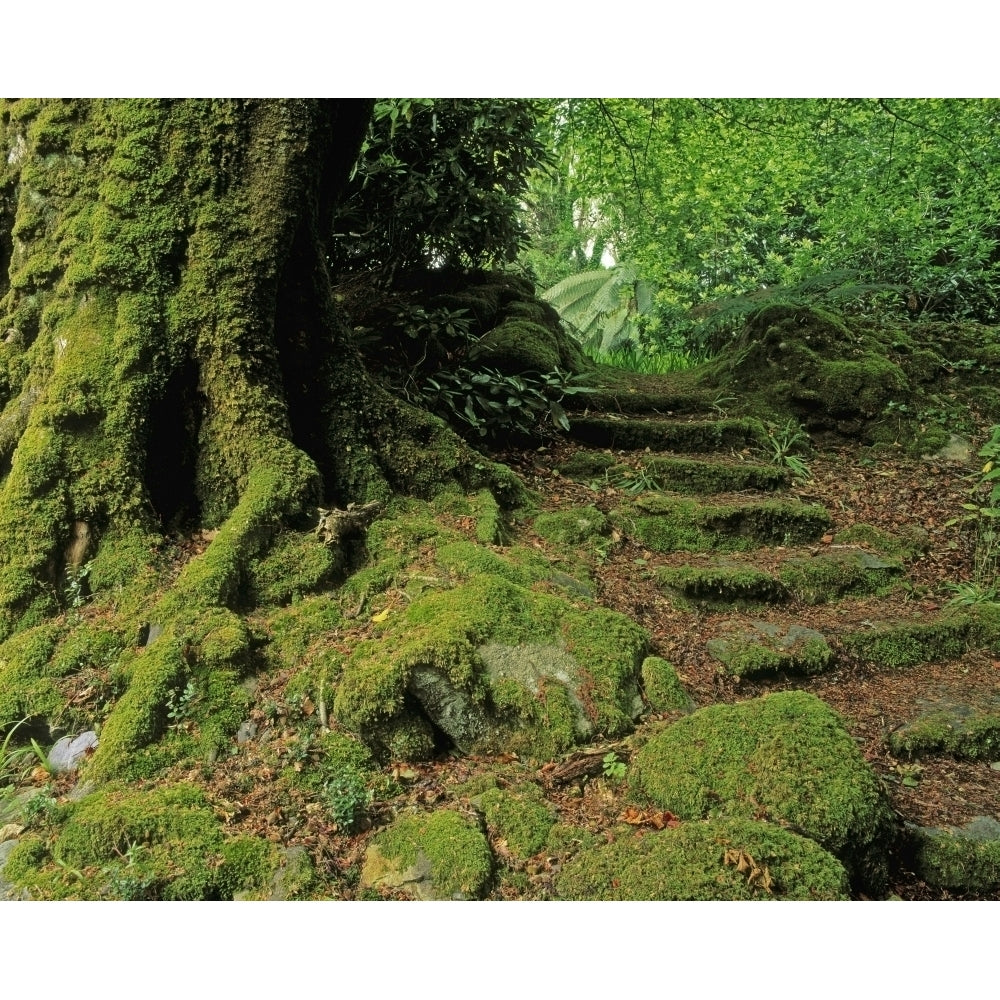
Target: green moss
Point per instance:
(662, 686)
(298, 564)
(666, 524)
(959, 730)
(713, 860)
(910, 542)
(825, 577)
(162, 843)
(907, 644)
(786, 756)
(518, 816)
(960, 860)
(665, 435)
(574, 526)
(458, 857)
(26, 689)
(721, 584)
(518, 564)
(588, 465)
(689, 476)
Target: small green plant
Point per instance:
(16, 763)
(983, 513)
(614, 767)
(634, 481)
(785, 446)
(180, 703)
(345, 796)
(493, 405)
(662, 363)
(76, 586)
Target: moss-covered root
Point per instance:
(786, 756)
(723, 859)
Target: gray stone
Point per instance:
(451, 710)
(12, 810)
(246, 732)
(69, 751)
(8, 891)
(956, 450)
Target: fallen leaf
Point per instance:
(827, 539)
(381, 616)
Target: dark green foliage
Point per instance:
(438, 182)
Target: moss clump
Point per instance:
(733, 585)
(436, 856)
(298, 564)
(573, 527)
(786, 756)
(825, 577)
(518, 564)
(26, 689)
(665, 524)
(905, 645)
(963, 859)
(160, 843)
(723, 859)
(662, 686)
(768, 650)
(690, 476)
(519, 816)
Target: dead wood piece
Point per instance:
(584, 766)
(337, 525)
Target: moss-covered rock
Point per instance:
(786, 757)
(958, 729)
(159, 843)
(575, 526)
(662, 686)
(905, 644)
(721, 859)
(437, 856)
(770, 649)
(961, 859)
(827, 576)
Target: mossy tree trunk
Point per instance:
(171, 354)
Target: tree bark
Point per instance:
(171, 355)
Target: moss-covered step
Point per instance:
(960, 859)
(693, 436)
(721, 859)
(905, 644)
(785, 757)
(689, 475)
(829, 575)
(946, 726)
(439, 855)
(771, 649)
(662, 687)
(721, 584)
(669, 524)
(585, 465)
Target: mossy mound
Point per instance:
(957, 729)
(588, 465)
(437, 856)
(721, 859)
(668, 524)
(896, 646)
(694, 436)
(961, 859)
(770, 649)
(519, 817)
(786, 756)
(740, 586)
(909, 541)
(490, 661)
(574, 527)
(685, 475)
(157, 843)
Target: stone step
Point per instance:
(696, 436)
(671, 524)
(947, 726)
(808, 579)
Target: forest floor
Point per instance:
(889, 493)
